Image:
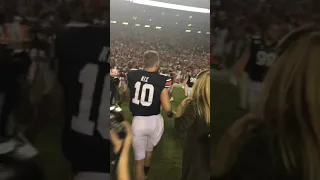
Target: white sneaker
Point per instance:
(171, 99)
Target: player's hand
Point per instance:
(225, 154)
(170, 114)
(117, 142)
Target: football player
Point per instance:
(259, 55)
(188, 82)
(83, 53)
(148, 91)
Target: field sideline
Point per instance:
(167, 156)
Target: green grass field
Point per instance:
(167, 157)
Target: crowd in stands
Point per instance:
(234, 21)
(178, 51)
(48, 17)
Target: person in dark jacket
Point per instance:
(193, 119)
(282, 141)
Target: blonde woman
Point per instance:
(193, 119)
(286, 141)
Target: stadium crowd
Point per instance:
(234, 21)
(184, 52)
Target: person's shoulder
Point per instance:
(164, 76)
(165, 79)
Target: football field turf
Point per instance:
(166, 162)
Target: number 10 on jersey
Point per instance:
(140, 97)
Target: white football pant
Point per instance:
(147, 132)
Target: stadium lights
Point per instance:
(147, 26)
(190, 17)
(208, 33)
(158, 27)
(189, 25)
(150, 19)
(199, 32)
(137, 25)
(135, 18)
(125, 23)
(188, 30)
(171, 6)
(113, 22)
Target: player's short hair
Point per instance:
(150, 58)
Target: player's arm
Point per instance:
(165, 99)
(185, 81)
(242, 61)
